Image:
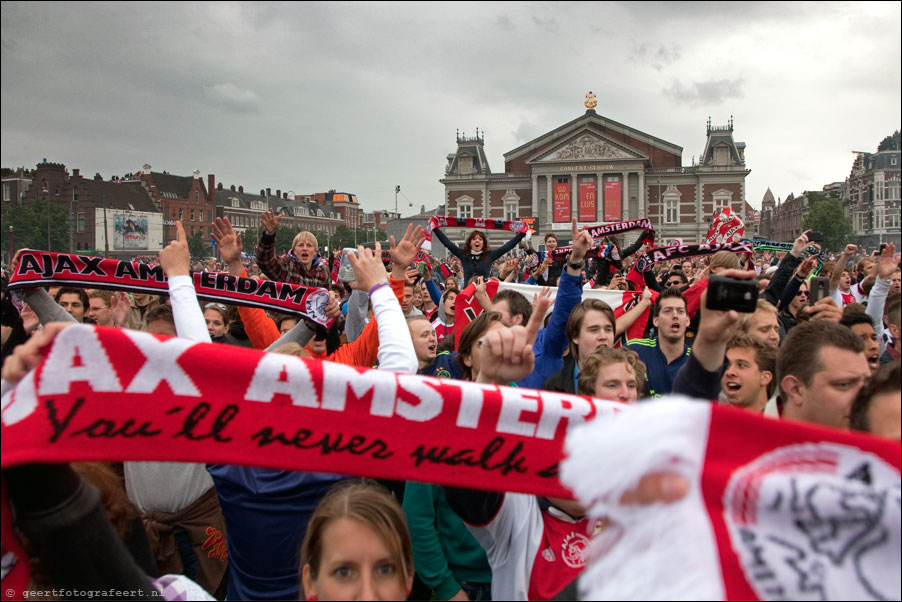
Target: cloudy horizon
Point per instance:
(362, 97)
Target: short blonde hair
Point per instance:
(745, 322)
(302, 235)
(724, 259)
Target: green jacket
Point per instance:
(444, 551)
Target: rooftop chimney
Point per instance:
(233, 188)
(241, 189)
(75, 173)
(268, 192)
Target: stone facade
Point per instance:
(600, 171)
(871, 198)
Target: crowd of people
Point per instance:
(833, 361)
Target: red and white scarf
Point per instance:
(110, 394)
(602, 230)
(645, 261)
(725, 227)
(43, 268)
(776, 509)
(447, 221)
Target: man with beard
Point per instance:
(665, 355)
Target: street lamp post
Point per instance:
(12, 245)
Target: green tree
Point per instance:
(826, 216)
(29, 227)
(889, 143)
(199, 247)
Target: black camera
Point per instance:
(731, 293)
(818, 288)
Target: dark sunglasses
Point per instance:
(800, 293)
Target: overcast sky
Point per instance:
(360, 97)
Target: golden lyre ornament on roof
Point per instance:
(591, 103)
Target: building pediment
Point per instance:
(586, 145)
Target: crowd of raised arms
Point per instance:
(588, 322)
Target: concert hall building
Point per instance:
(600, 171)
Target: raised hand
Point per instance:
(405, 251)
(806, 266)
(825, 309)
(886, 262)
(120, 305)
(228, 241)
(582, 242)
(506, 353)
(368, 268)
(800, 244)
(175, 259)
(270, 221)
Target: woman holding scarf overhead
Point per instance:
(475, 256)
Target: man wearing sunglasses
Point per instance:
(676, 279)
(789, 315)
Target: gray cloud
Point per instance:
(504, 23)
(233, 98)
(658, 57)
(711, 92)
(546, 23)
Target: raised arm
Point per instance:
(886, 265)
(513, 242)
(452, 248)
(266, 250)
(396, 352)
(175, 261)
(786, 269)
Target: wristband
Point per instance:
(377, 286)
(575, 266)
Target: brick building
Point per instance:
(243, 210)
(116, 217)
(600, 171)
(783, 221)
(182, 198)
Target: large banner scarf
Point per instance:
(645, 261)
(776, 509)
(603, 230)
(446, 221)
(726, 226)
(43, 268)
(110, 394)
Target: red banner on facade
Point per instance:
(587, 201)
(562, 202)
(612, 201)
